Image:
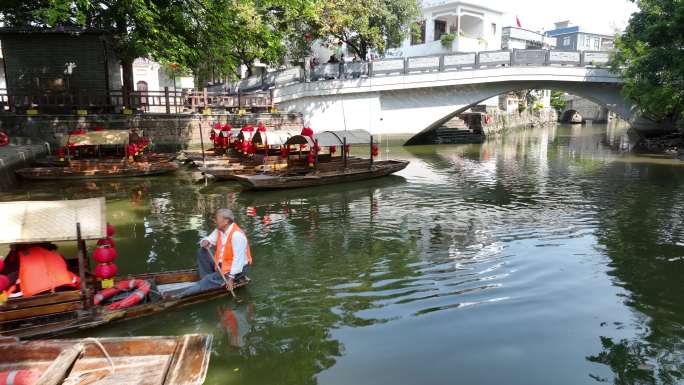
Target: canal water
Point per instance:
(546, 256)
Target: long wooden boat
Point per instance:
(54, 161)
(63, 312)
(332, 174)
(178, 360)
(98, 171)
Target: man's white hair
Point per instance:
(226, 214)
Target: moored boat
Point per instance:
(98, 170)
(177, 360)
(65, 309)
(101, 154)
(317, 169)
(350, 174)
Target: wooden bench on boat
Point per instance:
(181, 360)
(67, 311)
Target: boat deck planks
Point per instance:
(181, 360)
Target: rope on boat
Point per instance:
(112, 367)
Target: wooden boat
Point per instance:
(98, 170)
(70, 310)
(54, 161)
(178, 360)
(329, 175)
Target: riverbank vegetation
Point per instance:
(650, 57)
(214, 38)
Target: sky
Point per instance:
(600, 16)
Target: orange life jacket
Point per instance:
(43, 270)
(227, 258)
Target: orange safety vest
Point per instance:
(42, 270)
(227, 257)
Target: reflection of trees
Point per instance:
(641, 227)
(629, 362)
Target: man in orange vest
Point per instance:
(231, 255)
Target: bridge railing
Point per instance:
(456, 61)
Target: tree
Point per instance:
(211, 38)
(650, 57)
(138, 27)
(365, 25)
(558, 101)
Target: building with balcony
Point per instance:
(474, 28)
(574, 38)
(519, 38)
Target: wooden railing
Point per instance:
(164, 101)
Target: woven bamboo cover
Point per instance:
(44, 221)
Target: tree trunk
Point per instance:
(128, 86)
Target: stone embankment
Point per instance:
(501, 121)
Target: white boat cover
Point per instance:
(333, 138)
(273, 138)
(48, 221)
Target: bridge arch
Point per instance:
(415, 103)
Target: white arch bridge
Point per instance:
(414, 95)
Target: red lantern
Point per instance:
(310, 159)
(4, 282)
(307, 131)
(261, 127)
(106, 242)
(284, 152)
(346, 148)
(104, 254)
(105, 271)
(374, 150)
(333, 149)
(110, 230)
(217, 126)
(226, 127)
(61, 153)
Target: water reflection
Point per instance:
(550, 254)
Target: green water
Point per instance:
(550, 256)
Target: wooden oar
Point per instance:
(218, 269)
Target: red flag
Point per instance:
(517, 21)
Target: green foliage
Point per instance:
(211, 38)
(558, 100)
(650, 58)
(365, 25)
(448, 40)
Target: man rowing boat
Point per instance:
(230, 258)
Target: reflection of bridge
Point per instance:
(412, 95)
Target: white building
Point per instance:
(520, 38)
(149, 75)
(474, 28)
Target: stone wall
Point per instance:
(167, 132)
(502, 121)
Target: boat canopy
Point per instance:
(273, 138)
(100, 138)
(51, 221)
(245, 135)
(332, 138)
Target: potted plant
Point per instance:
(448, 40)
